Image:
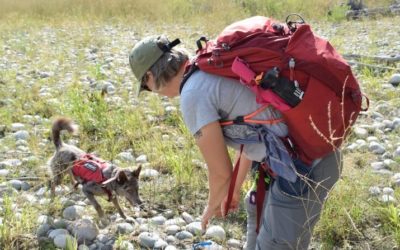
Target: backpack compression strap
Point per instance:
(247, 118)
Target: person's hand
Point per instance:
(234, 203)
(208, 214)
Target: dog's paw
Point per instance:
(104, 222)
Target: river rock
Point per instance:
(216, 233)
(147, 239)
(125, 228)
(85, 230)
(54, 233)
(73, 212)
(395, 80)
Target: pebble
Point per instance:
(17, 184)
(126, 156)
(376, 148)
(147, 239)
(84, 230)
(41, 192)
(73, 212)
(184, 235)
(377, 165)
(45, 219)
(396, 179)
(361, 132)
(396, 152)
(387, 198)
(172, 229)
(384, 172)
(216, 233)
(233, 243)
(194, 228)
(158, 220)
(125, 228)
(17, 126)
(395, 80)
(170, 109)
(187, 217)
(141, 159)
(83, 247)
(175, 221)
(4, 172)
(388, 191)
(62, 240)
(56, 232)
(171, 239)
(60, 223)
(389, 163)
(160, 244)
(149, 173)
(43, 230)
(375, 191)
(396, 123)
(21, 135)
(103, 238)
(10, 163)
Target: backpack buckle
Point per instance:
(238, 120)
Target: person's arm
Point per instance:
(212, 146)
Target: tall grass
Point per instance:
(209, 13)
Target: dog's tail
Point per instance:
(60, 124)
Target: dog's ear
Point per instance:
(136, 172)
(121, 177)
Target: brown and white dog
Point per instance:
(96, 176)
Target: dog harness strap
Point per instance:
(108, 192)
(233, 181)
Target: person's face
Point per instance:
(170, 89)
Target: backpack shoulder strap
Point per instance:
(190, 69)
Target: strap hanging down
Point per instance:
(233, 182)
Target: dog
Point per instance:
(96, 176)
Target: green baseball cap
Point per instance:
(145, 53)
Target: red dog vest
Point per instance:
(89, 168)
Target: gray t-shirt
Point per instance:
(206, 98)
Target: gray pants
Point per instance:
(287, 221)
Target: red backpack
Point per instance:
(271, 58)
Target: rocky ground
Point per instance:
(47, 59)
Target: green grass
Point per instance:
(15, 232)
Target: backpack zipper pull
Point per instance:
(291, 68)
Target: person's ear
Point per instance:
(150, 80)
